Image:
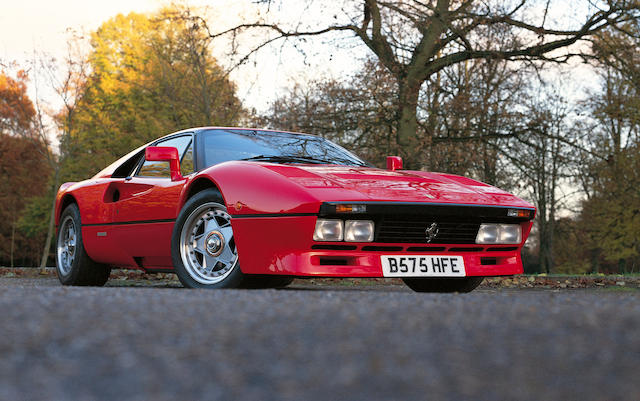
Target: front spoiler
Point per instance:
(283, 245)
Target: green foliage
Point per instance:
(569, 252)
(25, 175)
(612, 214)
(151, 75)
(34, 219)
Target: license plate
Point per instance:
(422, 266)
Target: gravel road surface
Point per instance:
(311, 343)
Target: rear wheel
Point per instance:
(466, 284)
(73, 265)
(203, 246)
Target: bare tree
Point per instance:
(416, 39)
(68, 85)
(355, 112)
(540, 159)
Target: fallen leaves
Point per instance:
(534, 281)
(561, 282)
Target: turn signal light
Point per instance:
(351, 208)
(519, 213)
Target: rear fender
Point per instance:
(63, 198)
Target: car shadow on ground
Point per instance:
(316, 285)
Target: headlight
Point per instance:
(499, 234)
(487, 234)
(510, 234)
(328, 230)
(358, 231)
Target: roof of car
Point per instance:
(198, 129)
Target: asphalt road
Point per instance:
(305, 343)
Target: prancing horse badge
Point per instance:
(431, 232)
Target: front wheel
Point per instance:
(73, 265)
(465, 284)
(203, 247)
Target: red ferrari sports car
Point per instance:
(231, 207)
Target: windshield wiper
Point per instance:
(306, 159)
(289, 159)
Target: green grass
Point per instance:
(618, 288)
(589, 275)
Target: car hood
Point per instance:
(338, 183)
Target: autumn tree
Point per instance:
(571, 253)
(414, 40)
(23, 167)
(611, 215)
(150, 75)
(609, 173)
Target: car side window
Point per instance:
(161, 168)
(186, 164)
(128, 167)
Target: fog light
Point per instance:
(510, 234)
(487, 234)
(358, 231)
(328, 230)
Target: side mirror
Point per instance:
(394, 163)
(168, 154)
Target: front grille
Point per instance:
(411, 229)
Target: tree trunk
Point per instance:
(546, 243)
(409, 92)
(47, 242)
(545, 259)
(13, 236)
(622, 266)
(595, 261)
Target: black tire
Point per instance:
(190, 280)
(82, 270)
(265, 281)
(466, 284)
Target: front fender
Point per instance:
(248, 189)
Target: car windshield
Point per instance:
(272, 146)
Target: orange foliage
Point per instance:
(16, 109)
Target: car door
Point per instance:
(147, 206)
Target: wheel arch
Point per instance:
(198, 185)
(65, 201)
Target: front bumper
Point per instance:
(284, 245)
